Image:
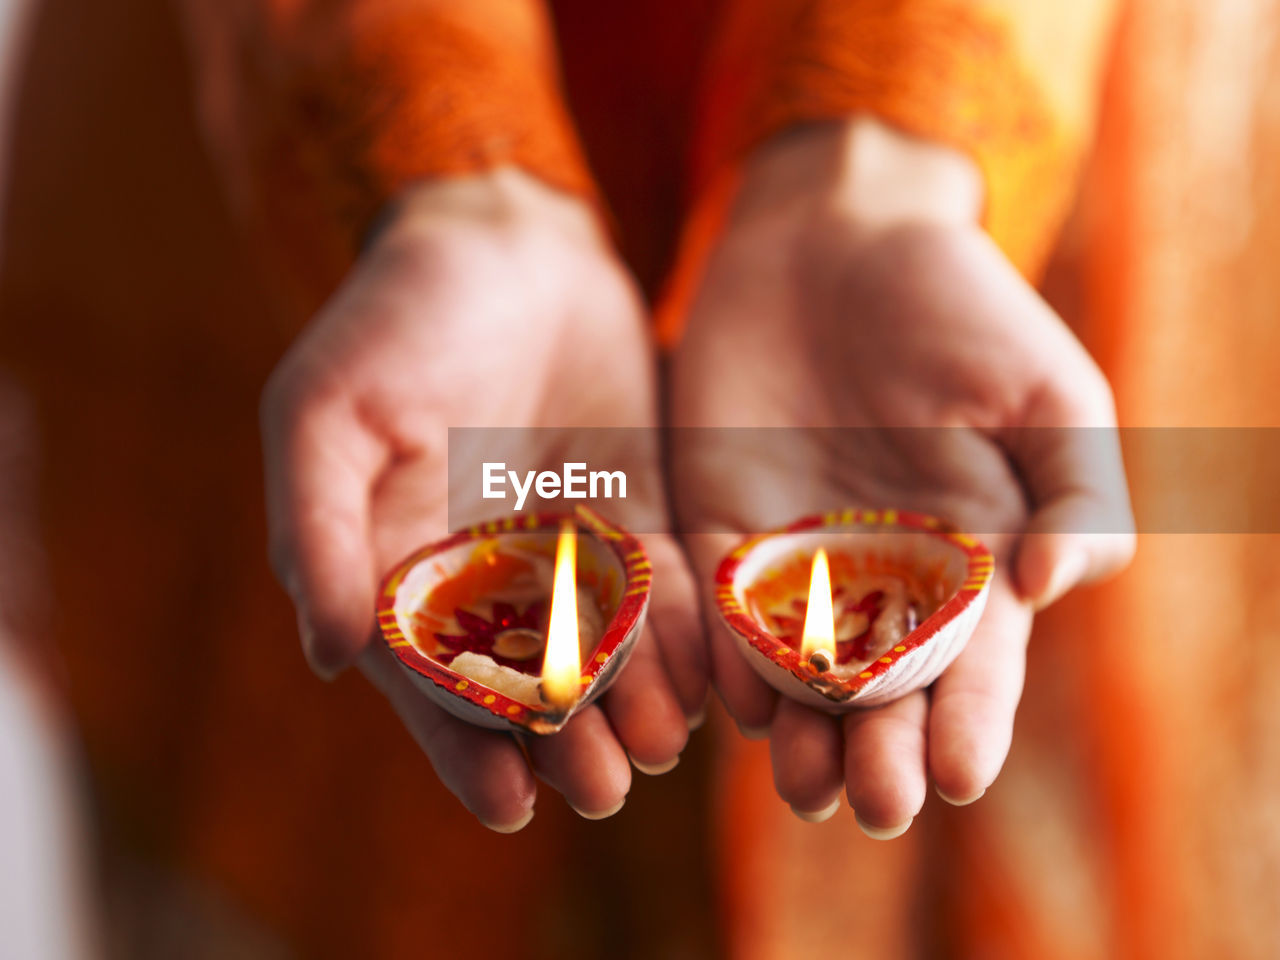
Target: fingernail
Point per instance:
(326, 673)
(513, 827)
(602, 815)
(753, 733)
(883, 833)
(655, 769)
(1065, 576)
(307, 634)
(698, 719)
(956, 802)
(817, 816)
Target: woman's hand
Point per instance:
(493, 302)
(852, 288)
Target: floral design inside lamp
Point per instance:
(518, 623)
(854, 608)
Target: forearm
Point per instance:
(318, 113)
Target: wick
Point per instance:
(552, 702)
(820, 661)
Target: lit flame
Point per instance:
(560, 665)
(819, 617)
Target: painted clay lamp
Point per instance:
(518, 623)
(854, 608)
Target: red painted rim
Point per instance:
(977, 577)
(635, 594)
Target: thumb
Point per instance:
(1081, 525)
(320, 463)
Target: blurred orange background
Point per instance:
(241, 808)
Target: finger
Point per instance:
(745, 694)
(747, 697)
(1052, 559)
(643, 710)
(974, 701)
(808, 770)
(320, 463)
(585, 763)
(675, 617)
(1081, 526)
(884, 764)
(482, 768)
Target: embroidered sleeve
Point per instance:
(1009, 82)
(319, 112)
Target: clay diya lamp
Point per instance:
(854, 608)
(518, 623)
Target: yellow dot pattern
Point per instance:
(639, 579)
(978, 575)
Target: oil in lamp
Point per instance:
(516, 624)
(854, 608)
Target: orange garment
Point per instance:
(321, 112)
(257, 806)
(948, 71)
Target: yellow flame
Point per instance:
(560, 664)
(819, 617)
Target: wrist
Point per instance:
(864, 171)
(504, 200)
